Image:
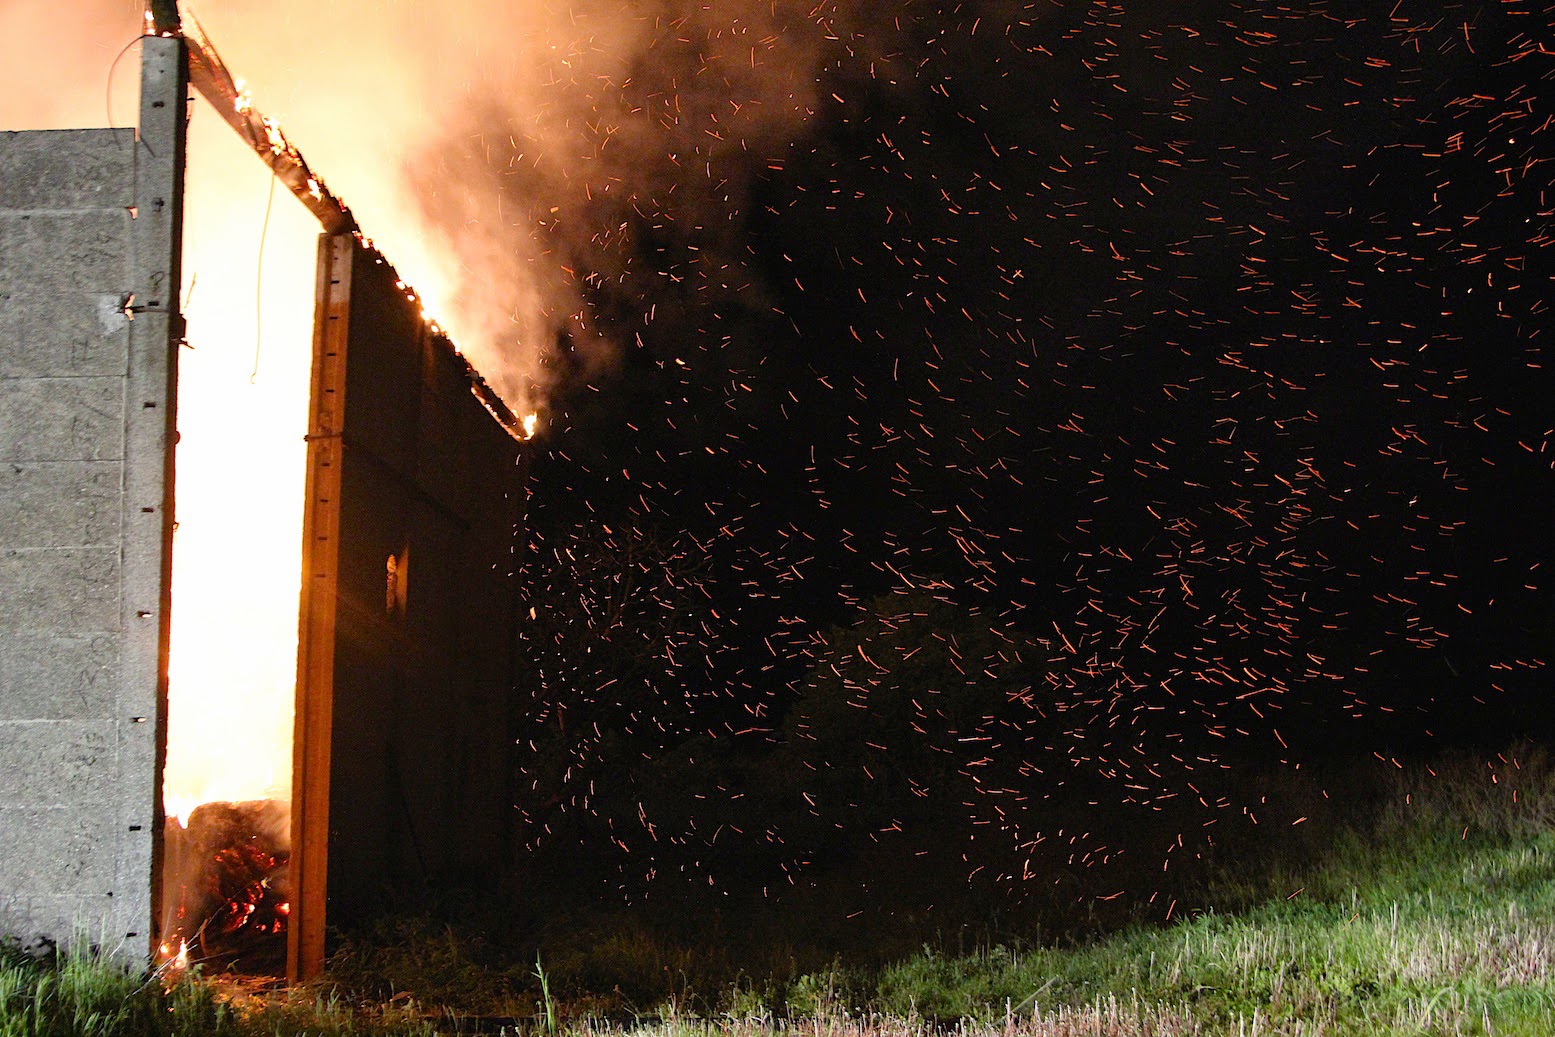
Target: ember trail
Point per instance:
(1188, 368)
(984, 457)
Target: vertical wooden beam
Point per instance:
(316, 634)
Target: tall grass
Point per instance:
(1431, 913)
(1435, 914)
(80, 993)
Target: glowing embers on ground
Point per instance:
(227, 887)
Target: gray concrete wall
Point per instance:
(89, 241)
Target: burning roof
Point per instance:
(226, 94)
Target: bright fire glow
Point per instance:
(240, 464)
(319, 69)
(174, 958)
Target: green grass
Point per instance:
(80, 994)
(1433, 913)
(1393, 958)
(1440, 919)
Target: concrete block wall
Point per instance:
(89, 235)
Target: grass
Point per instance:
(1440, 919)
(1397, 958)
(1432, 914)
(83, 994)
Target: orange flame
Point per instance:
(242, 415)
(239, 481)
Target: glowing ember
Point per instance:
(173, 958)
(228, 896)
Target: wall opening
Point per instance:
(249, 249)
(391, 699)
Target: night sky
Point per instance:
(1171, 376)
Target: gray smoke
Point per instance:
(601, 169)
(585, 163)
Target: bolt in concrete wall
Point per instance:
(89, 247)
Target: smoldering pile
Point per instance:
(228, 885)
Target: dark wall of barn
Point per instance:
(421, 732)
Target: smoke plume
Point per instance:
(598, 174)
(552, 177)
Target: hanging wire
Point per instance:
(259, 282)
(112, 67)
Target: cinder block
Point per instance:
(136, 845)
(77, 771)
(62, 334)
(64, 591)
(129, 924)
(61, 419)
(57, 763)
(58, 919)
(79, 251)
(135, 790)
(51, 677)
(132, 886)
(67, 169)
(66, 851)
(60, 503)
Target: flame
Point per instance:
(245, 101)
(239, 477)
(531, 423)
(173, 958)
(177, 809)
(240, 459)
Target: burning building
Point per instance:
(404, 662)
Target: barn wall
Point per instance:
(89, 250)
(405, 462)
(403, 700)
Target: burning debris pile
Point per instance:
(229, 886)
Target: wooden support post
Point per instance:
(316, 634)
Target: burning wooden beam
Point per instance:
(163, 19)
(209, 75)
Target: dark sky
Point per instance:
(1201, 344)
